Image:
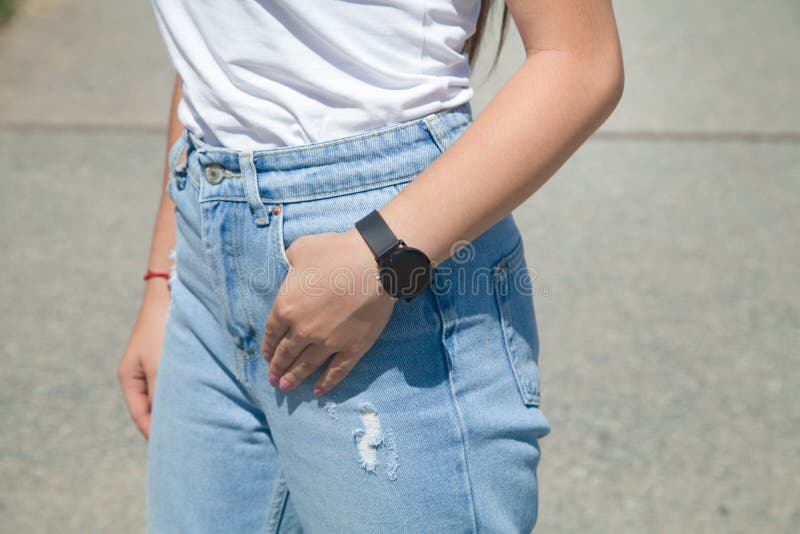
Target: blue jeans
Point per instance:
(436, 428)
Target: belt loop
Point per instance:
(250, 177)
(180, 145)
(175, 150)
(438, 130)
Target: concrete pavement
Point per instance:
(665, 250)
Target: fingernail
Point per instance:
(273, 379)
(285, 384)
(317, 391)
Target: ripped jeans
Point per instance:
(435, 430)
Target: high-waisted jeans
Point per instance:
(435, 430)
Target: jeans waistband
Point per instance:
(368, 159)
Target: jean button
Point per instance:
(215, 173)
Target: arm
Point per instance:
(136, 371)
(164, 232)
(569, 83)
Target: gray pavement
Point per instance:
(665, 250)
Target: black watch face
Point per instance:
(406, 272)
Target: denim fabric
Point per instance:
(435, 430)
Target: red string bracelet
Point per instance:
(155, 274)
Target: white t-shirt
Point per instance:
(261, 74)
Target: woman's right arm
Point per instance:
(137, 367)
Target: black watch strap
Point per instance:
(377, 234)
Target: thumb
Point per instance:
(150, 377)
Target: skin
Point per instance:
(569, 83)
(137, 368)
(567, 86)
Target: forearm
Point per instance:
(164, 231)
(543, 113)
(163, 239)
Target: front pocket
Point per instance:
(514, 296)
(335, 213)
(280, 244)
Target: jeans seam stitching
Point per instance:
(508, 263)
(243, 294)
(458, 414)
(317, 196)
(217, 290)
(342, 140)
(278, 506)
(280, 244)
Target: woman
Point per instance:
(347, 342)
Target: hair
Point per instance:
(473, 44)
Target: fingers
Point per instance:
(151, 386)
(339, 367)
(135, 390)
(306, 363)
(290, 346)
(274, 329)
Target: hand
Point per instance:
(330, 303)
(137, 367)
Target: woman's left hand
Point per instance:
(330, 303)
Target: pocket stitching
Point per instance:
(507, 264)
(280, 244)
(279, 239)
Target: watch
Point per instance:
(405, 271)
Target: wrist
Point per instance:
(367, 272)
(404, 271)
(410, 227)
(156, 283)
(156, 293)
